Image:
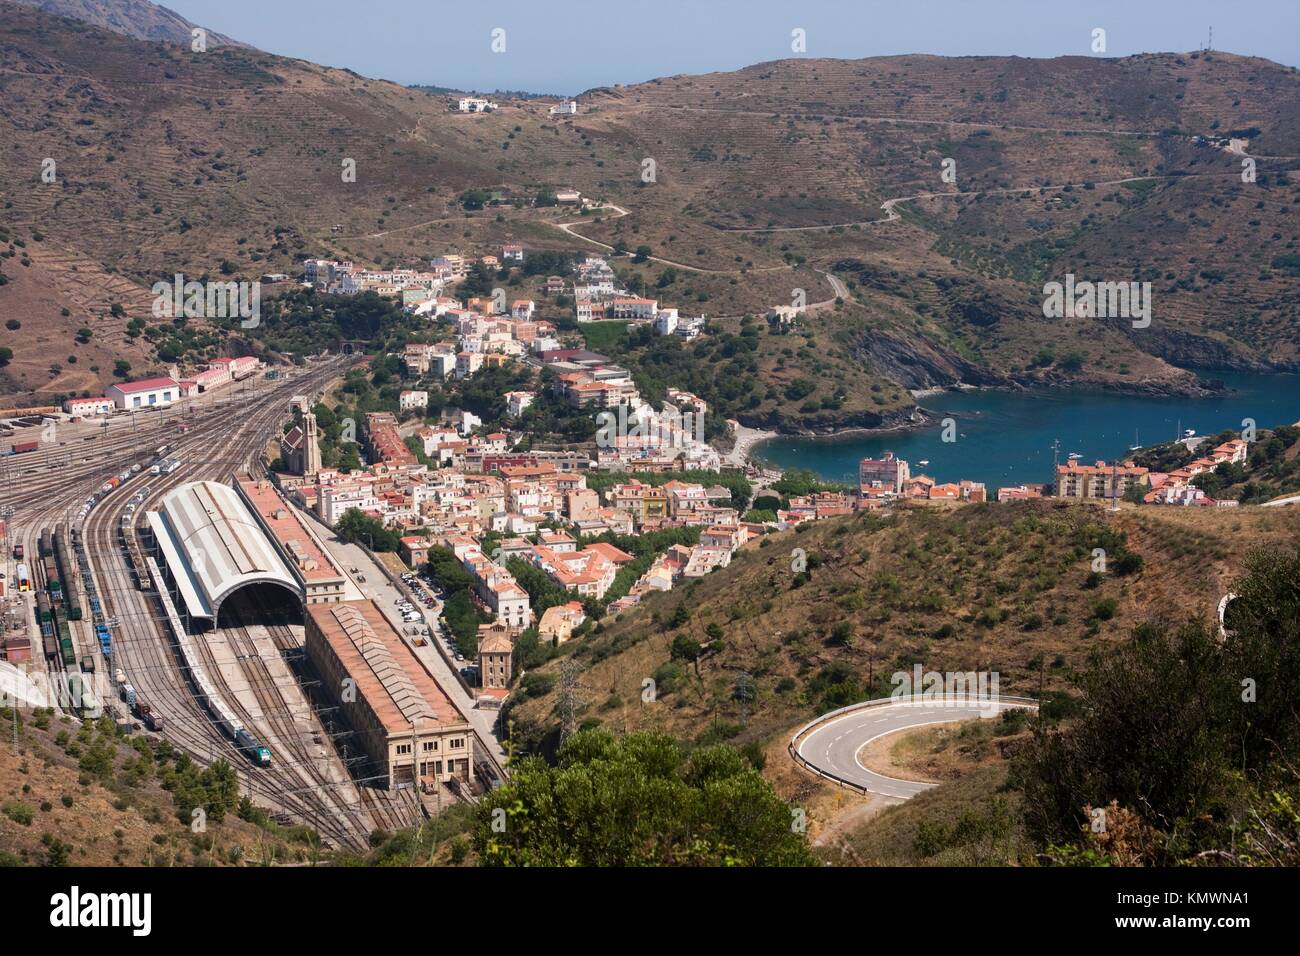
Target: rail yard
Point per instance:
(110, 630)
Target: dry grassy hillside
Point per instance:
(999, 587)
(74, 797)
(230, 162)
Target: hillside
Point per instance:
(82, 795)
(1001, 587)
(766, 179)
(139, 19)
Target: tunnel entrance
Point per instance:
(262, 603)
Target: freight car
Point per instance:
(105, 640)
(152, 719)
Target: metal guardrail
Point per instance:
(793, 746)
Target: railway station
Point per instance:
(215, 550)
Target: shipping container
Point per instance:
(23, 448)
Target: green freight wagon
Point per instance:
(67, 653)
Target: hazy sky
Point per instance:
(567, 46)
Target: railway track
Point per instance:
(222, 443)
(329, 813)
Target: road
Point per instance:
(833, 747)
(1278, 502)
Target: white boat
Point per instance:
(1074, 456)
(1189, 432)
(923, 462)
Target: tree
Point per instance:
(6, 355)
(637, 800)
(686, 648)
(1187, 730)
(359, 528)
(642, 253)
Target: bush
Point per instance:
(20, 813)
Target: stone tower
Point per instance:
(310, 445)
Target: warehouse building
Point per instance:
(399, 718)
(88, 407)
(146, 393)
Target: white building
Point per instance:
(146, 393)
(476, 104)
(442, 364)
(565, 108)
(87, 407)
(467, 422)
(407, 400)
(336, 500)
(518, 402)
(666, 322)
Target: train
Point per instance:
(24, 578)
(222, 713)
(152, 719)
(134, 555)
(252, 749)
(105, 640)
(23, 448)
(64, 565)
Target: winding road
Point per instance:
(830, 746)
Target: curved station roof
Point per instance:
(214, 546)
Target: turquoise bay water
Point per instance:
(1005, 438)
